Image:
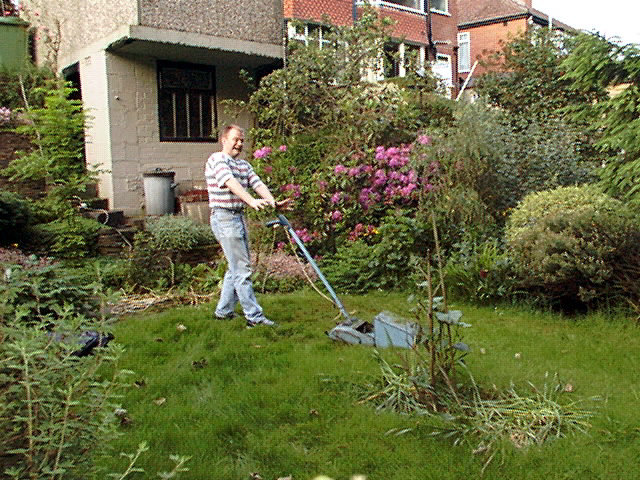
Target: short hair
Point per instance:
(228, 128)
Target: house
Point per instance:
(154, 74)
(485, 25)
(430, 33)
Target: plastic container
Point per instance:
(389, 332)
(159, 192)
(14, 42)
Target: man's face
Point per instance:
(232, 142)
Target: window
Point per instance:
(415, 4)
(464, 52)
(309, 34)
(391, 60)
(406, 4)
(187, 103)
(412, 58)
(441, 69)
(440, 5)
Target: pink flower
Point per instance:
(335, 198)
(339, 169)
(428, 187)
(406, 191)
(354, 171)
(282, 148)
(394, 162)
(336, 216)
(268, 169)
(424, 140)
(262, 152)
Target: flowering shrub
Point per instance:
(5, 116)
(349, 200)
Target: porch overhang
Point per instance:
(191, 47)
(173, 45)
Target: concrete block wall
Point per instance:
(82, 22)
(253, 20)
(134, 142)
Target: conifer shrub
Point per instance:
(567, 243)
(15, 216)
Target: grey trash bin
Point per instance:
(159, 192)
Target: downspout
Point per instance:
(354, 11)
(285, 41)
(431, 47)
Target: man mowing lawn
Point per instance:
(228, 181)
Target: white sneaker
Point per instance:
(265, 321)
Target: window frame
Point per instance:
(467, 41)
(211, 93)
(305, 36)
(421, 7)
(446, 8)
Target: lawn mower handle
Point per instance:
(282, 220)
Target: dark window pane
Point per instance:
(186, 103)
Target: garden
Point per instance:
(507, 229)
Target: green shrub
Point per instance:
(566, 244)
(177, 233)
(15, 216)
(357, 266)
(71, 237)
(57, 412)
(480, 272)
(36, 290)
(32, 78)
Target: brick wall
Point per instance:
(487, 39)
(408, 25)
(10, 143)
(339, 12)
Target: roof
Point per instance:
(473, 12)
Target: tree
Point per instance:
(529, 82)
(320, 88)
(598, 64)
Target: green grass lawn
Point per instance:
(284, 401)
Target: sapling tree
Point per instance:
(614, 120)
(57, 131)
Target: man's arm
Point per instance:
(264, 192)
(255, 203)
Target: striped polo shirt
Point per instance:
(220, 168)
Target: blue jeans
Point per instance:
(230, 229)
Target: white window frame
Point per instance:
(383, 3)
(421, 6)
(304, 37)
(464, 38)
(447, 82)
(446, 8)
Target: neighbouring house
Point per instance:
(154, 74)
(428, 28)
(484, 26)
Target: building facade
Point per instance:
(486, 25)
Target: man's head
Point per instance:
(232, 140)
